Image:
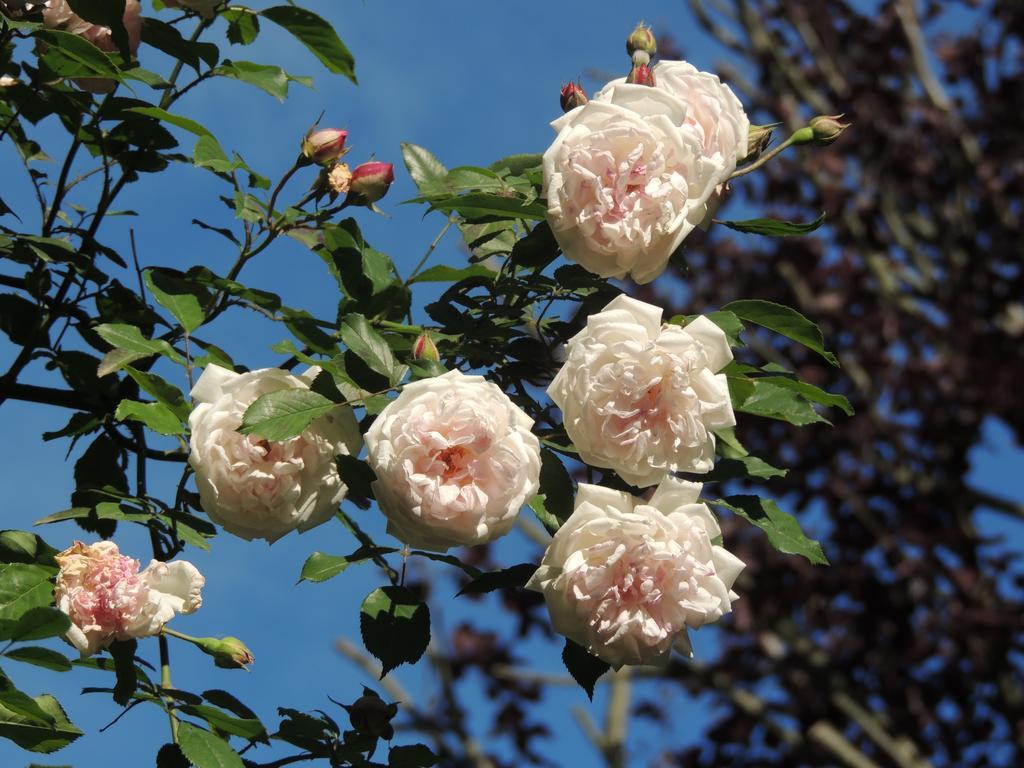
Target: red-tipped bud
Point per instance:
(827, 128)
(641, 39)
(370, 182)
(325, 146)
(641, 74)
(371, 716)
(572, 96)
(424, 348)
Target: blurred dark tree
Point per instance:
(906, 651)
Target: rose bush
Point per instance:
(623, 577)
(260, 489)
(107, 598)
(642, 397)
(455, 461)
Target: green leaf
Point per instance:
(784, 532)
(206, 750)
(34, 736)
(243, 25)
(180, 121)
(445, 274)
(129, 338)
(266, 77)
(72, 55)
(284, 414)
(517, 165)
(182, 298)
(783, 320)
(774, 227)
(36, 623)
(23, 587)
(166, 38)
(317, 35)
(810, 392)
(451, 560)
(157, 416)
(40, 657)
(555, 497)
(426, 170)
(727, 321)
(395, 626)
(123, 653)
(25, 547)
(162, 390)
(742, 467)
(728, 444)
(208, 153)
(761, 398)
(321, 567)
(477, 205)
(21, 703)
(507, 578)
(370, 347)
(106, 13)
(584, 667)
(248, 728)
(411, 756)
(358, 477)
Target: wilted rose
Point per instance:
(107, 598)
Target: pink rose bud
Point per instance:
(641, 39)
(573, 96)
(370, 182)
(324, 146)
(371, 716)
(641, 74)
(424, 348)
(827, 128)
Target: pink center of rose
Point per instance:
(108, 594)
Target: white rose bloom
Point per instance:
(107, 598)
(455, 461)
(624, 578)
(626, 180)
(641, 397)
(258, 489)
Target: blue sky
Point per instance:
(472, 82)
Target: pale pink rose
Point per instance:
(642, 397)
(107, 598)
(625, 578)
(712, 112)
(204, 8)
(626, 180)
(455, 461)
(255, 488)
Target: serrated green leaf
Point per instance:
(370, 347)
(320, 566)
(43, 737)
(36, 623)
(395, 626)
(783, 320)
(162, 390)
(157, 416)
(426, 170)
(775, 227)
(243, 25)
(129, 339)
(23, 587)
(182, 298)
(784, 532)
(206, 750)
(40, 657)
(727, 321)
(72, 55)
(284, 414)
(763, 398)
(266, 77)
(317, 35)
(810, 392)
(584, 667)
(247, 728)
(478, 205)
(187, 123)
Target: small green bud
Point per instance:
(424, 348)
(758, 138)
(227, 652)
(827, 128)
(641, 39)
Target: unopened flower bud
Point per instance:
(370, 715)
(6, 81)
(573, 96)
(424, 348)
(370, 182)
(641, 39)
(827, 128)
(324, 146)
(641, 74)
(227, 652)
(758, 138)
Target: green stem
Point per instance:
(430, 250)
(165, 682)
